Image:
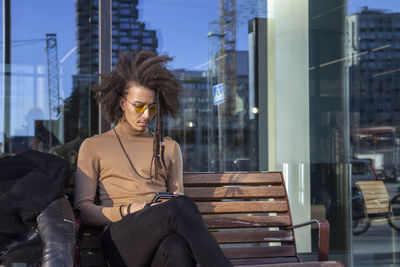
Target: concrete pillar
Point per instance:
(308, 137)
(288, 106)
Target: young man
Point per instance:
(129, 164)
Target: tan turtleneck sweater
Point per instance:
(103, 166)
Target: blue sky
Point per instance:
(182, 27)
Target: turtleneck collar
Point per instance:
(125, 129)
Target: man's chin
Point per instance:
(141, 128)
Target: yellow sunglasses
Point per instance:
(141, 108)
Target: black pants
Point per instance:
(168, 234)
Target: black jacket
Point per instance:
(29, 182)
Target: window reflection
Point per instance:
(359, 65)
(373, 87)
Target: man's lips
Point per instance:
(143, 123)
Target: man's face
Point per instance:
(139, 96)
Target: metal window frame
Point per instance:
(6, 10)
(105, 50)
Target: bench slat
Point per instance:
(213, 179)
(94, 242)
(91, 242)
(247, 221)
(253, 236)
(242, 206)
(377, 210)
(207, 193)
(88, 229)
(259, 252)
(370, 182)
(375, 196)
(378, 201)
(383, 208)
(262, 261)
(372, 185)
(92, 260)
(297, 264)
(374, 189)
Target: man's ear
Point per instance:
(121, 103)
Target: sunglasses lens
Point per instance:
(140, 108)
(152, 109)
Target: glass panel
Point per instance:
(373, 64)
(212, 137)
(349, 116)
(326, 95)
(48, 66)
(210, 49)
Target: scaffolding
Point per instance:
(222, 69)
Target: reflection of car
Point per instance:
(362, 170)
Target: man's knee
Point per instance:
(183, 204)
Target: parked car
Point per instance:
(362, 170)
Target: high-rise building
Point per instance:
(374, 77)
(190, 127)
(374, 84)
(128, 33)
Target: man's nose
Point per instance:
(146, 114)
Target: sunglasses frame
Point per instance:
(144, 106)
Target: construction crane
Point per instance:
(53, 75)
(53, 89)
(231, 18)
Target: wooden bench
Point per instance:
(249, 215)
(376, 197)
(375, 205)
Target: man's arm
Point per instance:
(86, 186)
(175, 174)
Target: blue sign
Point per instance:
(219, 94)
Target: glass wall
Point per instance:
(208, 50)
(46, 72)
(373, 61)
(340, 55)
(307, 87)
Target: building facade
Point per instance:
(374, 83)
(196, 126)
(128, 33)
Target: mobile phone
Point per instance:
(162, 195)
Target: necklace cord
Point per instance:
(130, 162)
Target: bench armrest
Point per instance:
(323, 237)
